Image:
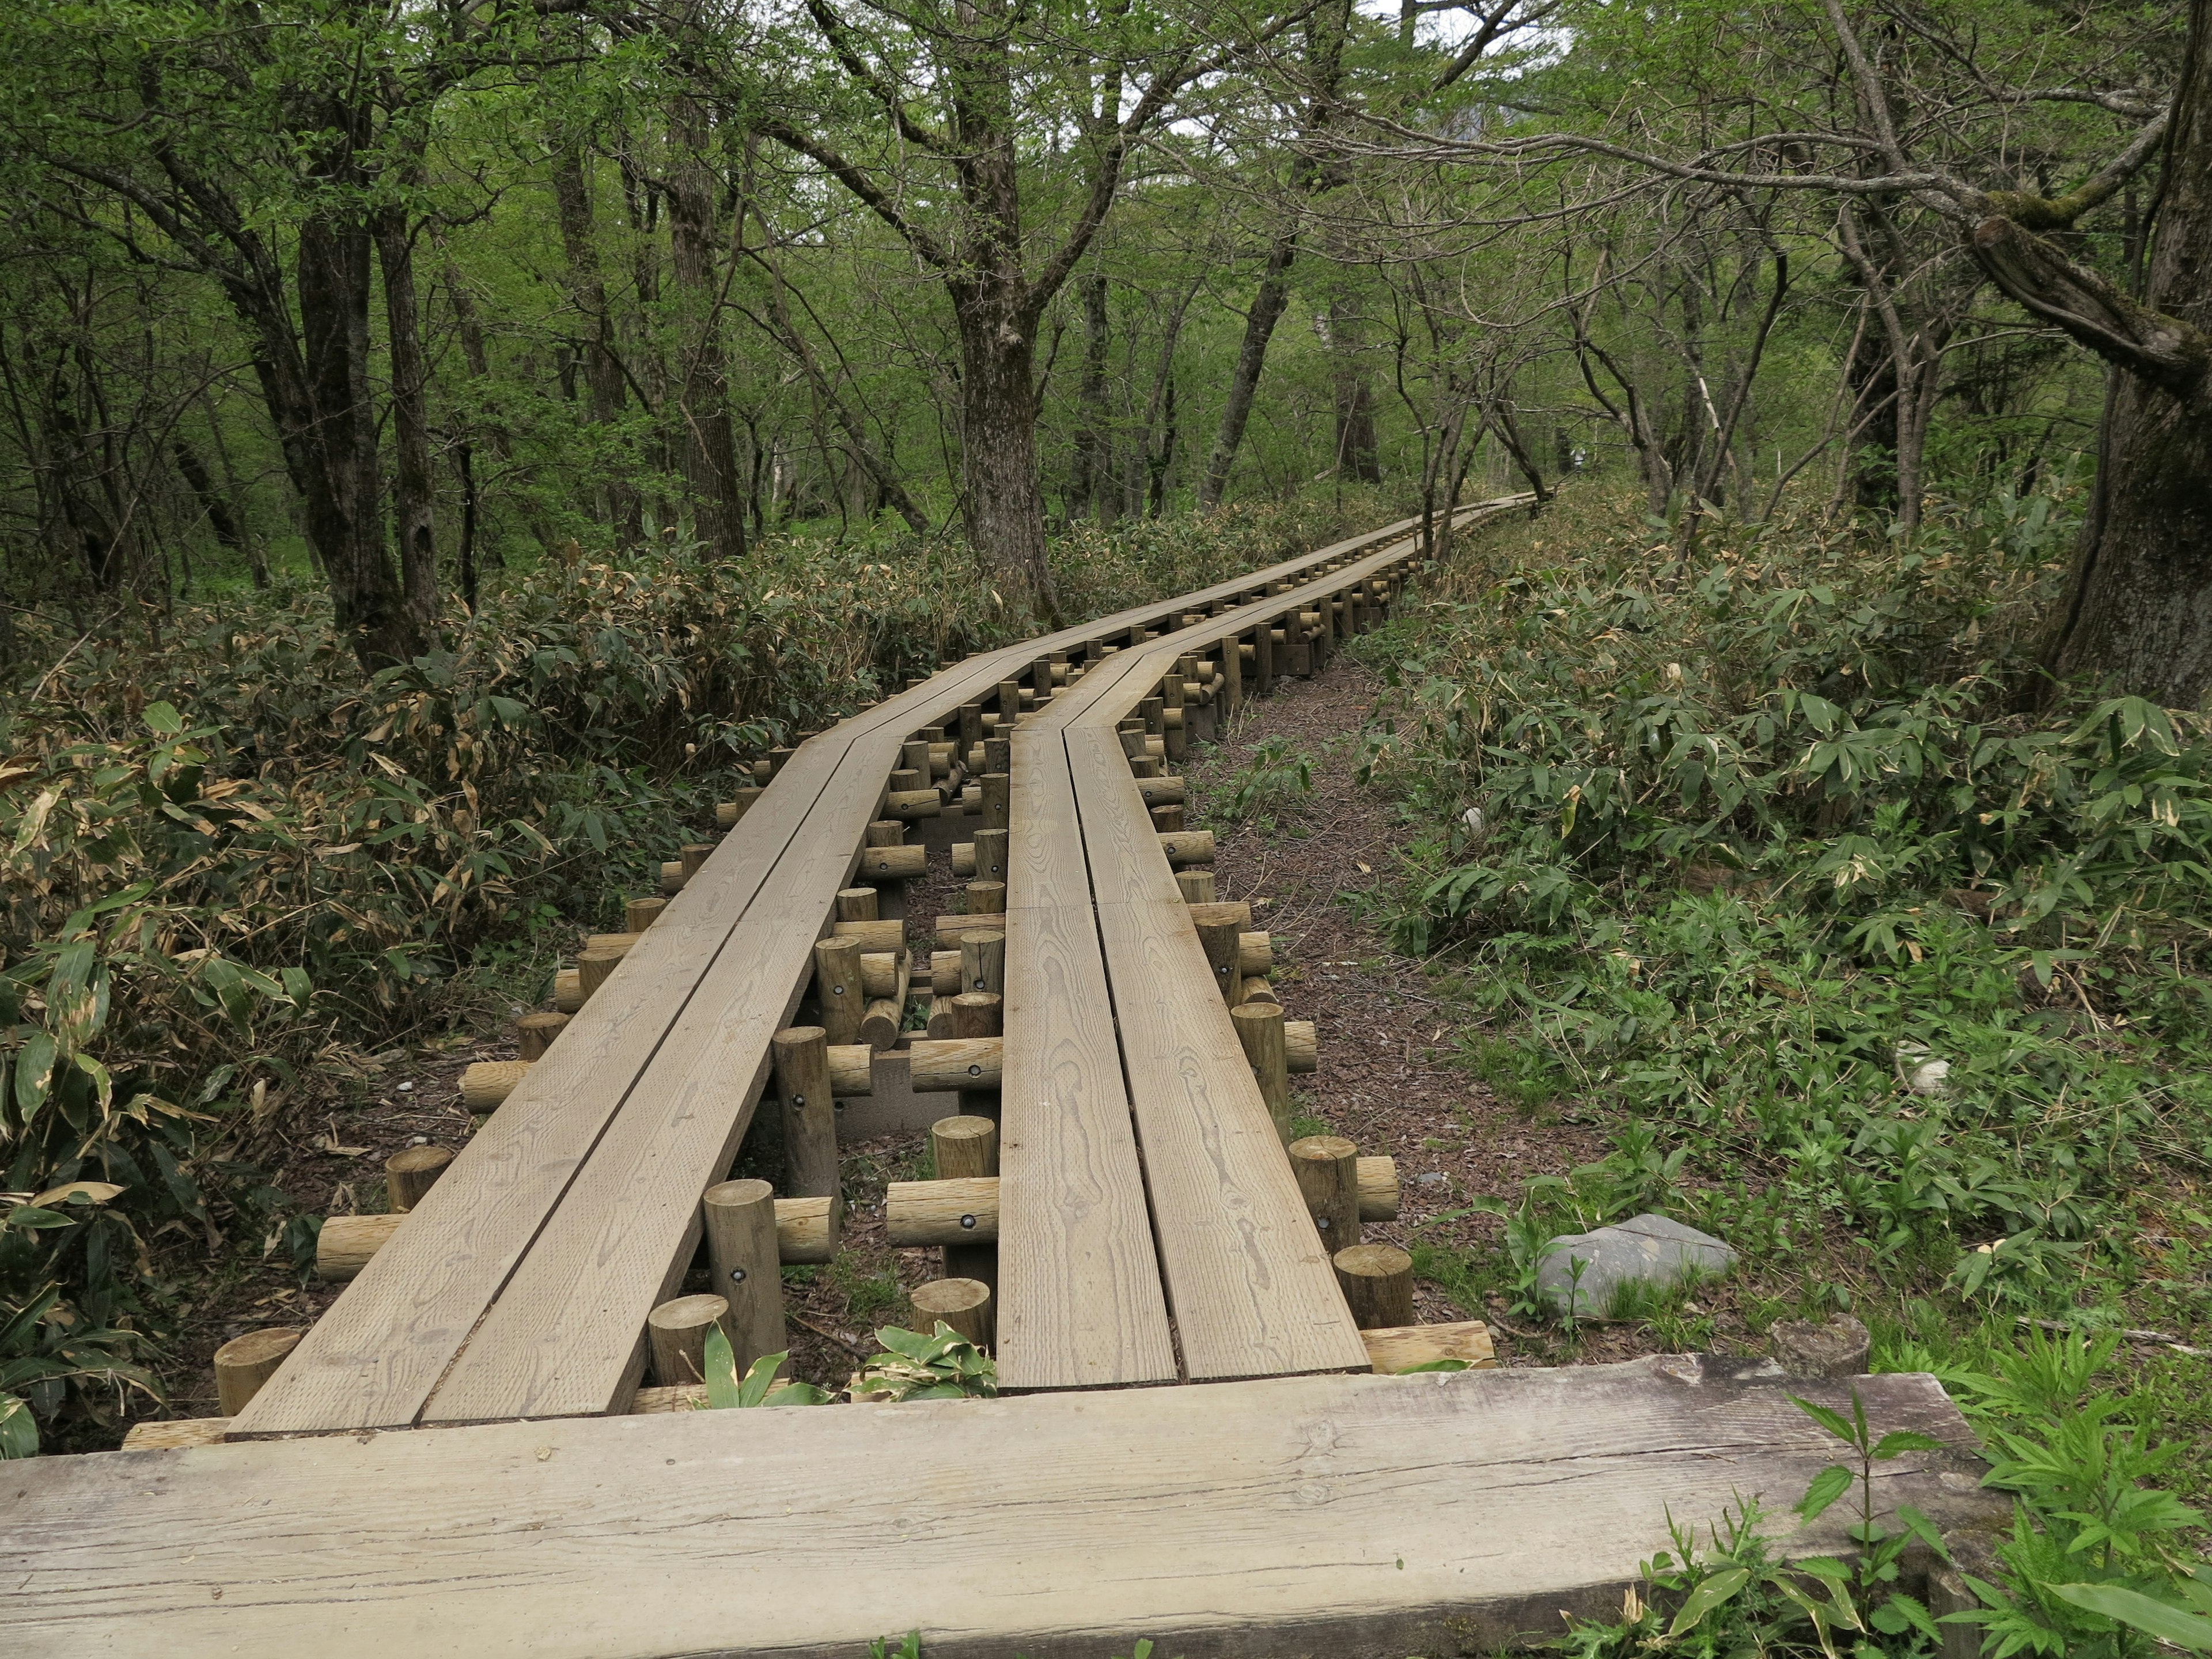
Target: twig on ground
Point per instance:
(2156, 1338)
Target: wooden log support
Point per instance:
(1221, 933)
(745, 1256)
(964, 858)
(678, 1331)
(1196, 886)
(885, 1015)
(486, 1083)
(810, 1118)
(957, 1063)
(1327, 1167)
(409, 1174)
(1399, 1348)
(1259, 1029)
(244, 1363)
(998, 801)
(1255, 955)
(921, 1212)
(640, 914)
(1378, 1188)
(595, 965)
(945, 973)
(909, 805)
(983, 961)
(1188, 846)
(1163, 791)
(671, 877)
(881, 863)
(1377, 1280)
(884, 935)
(989, 855)
(346, 1243)
(534, 1034)
(808, 1229)
(693, 857)
(963, 1303)
(987, 898)
(839, 996)
(964, 1146)
(729, 814)
(1258, 990)
(1301, 1048)
(857, 904)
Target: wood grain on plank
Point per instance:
(1367, 1517)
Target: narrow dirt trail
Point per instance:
(1389, 1076)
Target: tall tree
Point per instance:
(955, 89)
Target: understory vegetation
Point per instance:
(231, 863)
(1747, 855)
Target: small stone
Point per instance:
(1922, 1073)
(406, 1088)
(1432, 1178)
(1647, 1250)
(418, 1140)
(1839, 1347)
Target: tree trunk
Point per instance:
(1268, 306)
(708, 443)
(1354, 394)
(328, 425)
(587, 291)
(414, 491)
(998, 453)
(1092, 461)
(2138, 614)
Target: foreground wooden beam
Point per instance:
(1364, 1517)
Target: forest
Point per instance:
(440, 444)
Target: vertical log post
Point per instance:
(640, 914)
(1259, 1029)
(409, 1175)
(963, 1303)
(1221, 930)
(1197, 886)
(739, 1216)
(983, 963)
(1327, 1169)
(990, 855)
(244, 1363)
(998, 801)
(534, 1033)
(692, 857)
(837, 988)
(1378, 1281)
(810, 1115)
(678, 1332)
(857, 904)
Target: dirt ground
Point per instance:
(1390, 1078)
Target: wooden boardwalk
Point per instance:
(451, 1458)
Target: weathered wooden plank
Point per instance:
(1365, 1517)
(372, 1360)
(1247, 1278)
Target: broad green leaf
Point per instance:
(724, 1392)
(2158, 1619)
(1900, 1441)
(19, 1430)
(1708, 1595)
(1434, 1365)
(1827, 1486)
(30, 1215)
(163, 719)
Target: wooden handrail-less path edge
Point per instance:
(477, 1310)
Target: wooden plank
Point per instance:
(1080, 1303)
(565, 1338)
(1247, 1278)
(1365, 1517)
(372, 1360)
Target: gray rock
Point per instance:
(1647, 1249)
(1838, 1348)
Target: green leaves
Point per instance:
(726, 1391)
(943, 1365)
(1827, 1486)
(2160, 1619)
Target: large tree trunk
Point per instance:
(2138, 616)
(328, 425)
(1260, 322)
(998, 452)
(708, 444)
(414, 492)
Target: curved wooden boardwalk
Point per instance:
(451, 1460)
